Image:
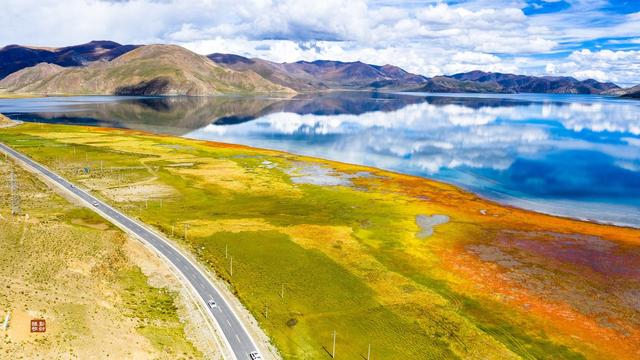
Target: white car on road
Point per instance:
(212, 304)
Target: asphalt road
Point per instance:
(237, 338)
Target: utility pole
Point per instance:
(226, 251)
(171, 230)
(266, 311)
(369, 353)
(15, 195)
(231, 265)
(282, 292)
(186, 227)
(5, 324)
(333, 352)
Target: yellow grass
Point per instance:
(64, 264)
(488, 284)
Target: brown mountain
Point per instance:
(480, 81)
(106, 67)
(146, 70)
(446, 84)
(324, 74)
(17, 57)
(632, 92)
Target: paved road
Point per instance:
(237, 338)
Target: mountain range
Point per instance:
(324, 74)
(109, 68)
(144, 70)
(632, 92)
(480, 81)
(16, 57)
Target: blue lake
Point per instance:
(569, 155)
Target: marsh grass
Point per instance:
(347, 256)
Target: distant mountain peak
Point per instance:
(104, 42)
(301, 75)
(481, 81)
(229, 58)
(17, 57)
(324, 74)
(156, 69)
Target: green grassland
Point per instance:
(310, 259)
(64, 263)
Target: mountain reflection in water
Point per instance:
(562, 154)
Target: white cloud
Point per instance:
(427, 38)
(432, 137)
(604, 65)
(475, 58)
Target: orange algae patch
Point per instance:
(478, 221)
(558, 319)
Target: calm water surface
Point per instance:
(562, 154)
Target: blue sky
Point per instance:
(582, 38)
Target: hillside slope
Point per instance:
(62, 263)
(632, 92)
(324, 74)
(17, 57)
(147, 70)
(447, 84)
(108, 68)
(480, 81)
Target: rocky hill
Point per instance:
(632, 92)
(447, 84)
(324, 74)
(17, 57)
(108, 68)
(480, 81)
(146, 70)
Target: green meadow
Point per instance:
(310, 259)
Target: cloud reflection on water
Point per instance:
(563, 154)
(534, 151)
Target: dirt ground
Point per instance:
(63, 264)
